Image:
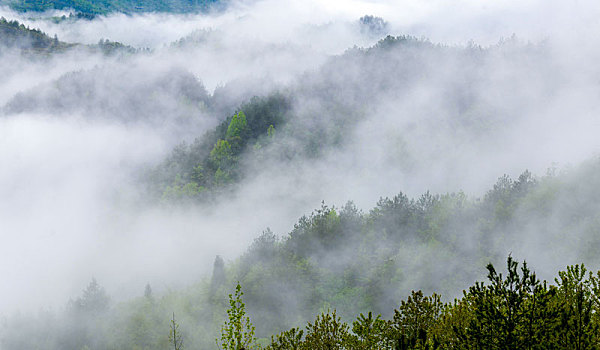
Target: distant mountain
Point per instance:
(90, 8)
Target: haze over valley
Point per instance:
(322, 154)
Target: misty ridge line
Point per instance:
(368, 26)
(88, 10)
(35, 43)
(266, 134)
(277, 116)
(27, 101)
(336, 140)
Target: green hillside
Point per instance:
(34, 42)
(339, 263)
(101, 7)
(16, 35)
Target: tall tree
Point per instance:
(237, 333)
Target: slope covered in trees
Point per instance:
(405, 114)
(365, 99)
(354, 262)
(15, 35)
(35, 43)
(91, 8)
(211, 163)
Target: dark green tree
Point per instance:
(370, 332)
(577, 330)
(288, 340)
(412, 322)
(505, 310)
(328, 332)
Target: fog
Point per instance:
(78, 129)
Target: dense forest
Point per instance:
(340, 262)
(89, 9)
(265, 175)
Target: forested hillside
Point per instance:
(34, 43)
(349, 89)
(15, 35)
(90, 8)
(299, 175)
(353, 262)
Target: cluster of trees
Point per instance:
(108, 47)
(348, 260)
(212, 162)
(89, 8)
(511, 311)
(306, 132)
(334, 102)
(374, 26)
(354, 263)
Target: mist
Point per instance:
(488, 90)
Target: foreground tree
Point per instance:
(237, 333)
(576, 309)
(175, 337)
(413, 321)
(328, 332)
(511, 312)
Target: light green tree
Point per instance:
(221, 154)
(175, 338)
(237, 333)
(238, 126)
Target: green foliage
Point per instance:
(198, 174)
(365, 263)
(412, 323)
(89, 8)
(512, 312)
(237, 130)
(221, 154)
(108, 47)
(506, 312)
(175, 337)
(212, 162)
(222, 178)
(328, 332)
(15, 34)
(180, 190)
(287, 340)
(33, 41)
(577, 329)
(370, 332)
(237, 333)
(321, 230)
